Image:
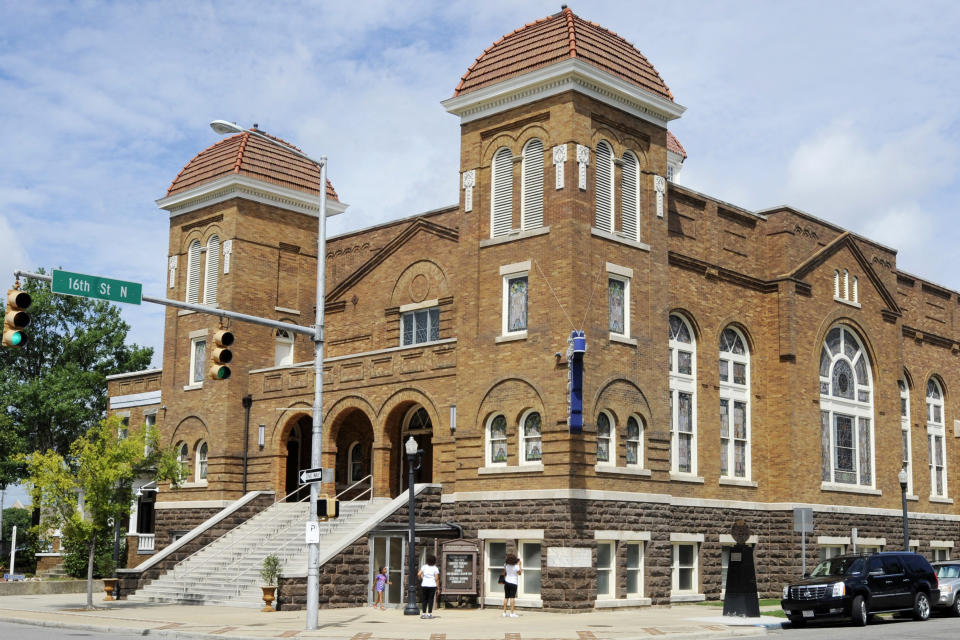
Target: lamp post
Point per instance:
(411, 608)
(313, 562)
(902, 477)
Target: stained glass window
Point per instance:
(498, 440)
(633, 441)
(603, 438)
(532, 438)
(616, 300)
(517, 304)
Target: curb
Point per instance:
(172, 634)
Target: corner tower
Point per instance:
(243, 236)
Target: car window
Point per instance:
(874, 564)
(838, 567)
(948, 571)
(918, 563)
(892, 565)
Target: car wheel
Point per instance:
(858, 611)
(921, 606)
(955, 609)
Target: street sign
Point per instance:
(311, 475)
(313, 533)
(78, 284)
(803, 520)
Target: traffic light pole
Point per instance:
(199, 308)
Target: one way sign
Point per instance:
(312, 475)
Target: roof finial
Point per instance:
(562, 7)
(255, 125)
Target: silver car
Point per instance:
(948, 573)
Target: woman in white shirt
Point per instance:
(429, 574)
(512, 568)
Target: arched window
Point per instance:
(531, 438)
(283, 350)
(633, 442)
(846, 410)
(193, 272)
(683, 390)
(497, 440)
(183, 457)
(630, 196)
(201, 470)
(906, 444)
(355, 464)
(604, 219)
(734, 405)
(606, 439)
(212, 272)
(531, 186)
(501, 200)
(935, 439)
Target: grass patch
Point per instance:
(764, 602)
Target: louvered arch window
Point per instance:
(630, 196)
(193, 272)
(604, 220)
(501, 200)
(212, 272)
(531, 189)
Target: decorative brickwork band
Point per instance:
(583, 159)
(172, 268)
(227, 250)
(559, 158)
(469, 181)
(660, 186)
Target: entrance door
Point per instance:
(388, 551)
(298, 457)
(417, 425)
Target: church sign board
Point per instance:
(458, 568)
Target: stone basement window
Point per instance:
(606, 573)
(684, 570)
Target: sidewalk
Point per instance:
(193, 622)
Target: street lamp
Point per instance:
(902, 477)
(313, 563)
(411, 608)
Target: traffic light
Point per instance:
(327, 507)
(220, 355)
(16, 318)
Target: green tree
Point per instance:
(54, 387)
(101, 467)
(11, 446)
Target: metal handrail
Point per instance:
(221, 536)
(369, 477)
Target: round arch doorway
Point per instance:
(416, 423)
(298, 445)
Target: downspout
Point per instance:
(247, 403)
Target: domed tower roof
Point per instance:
(556, 38)
(247, 155)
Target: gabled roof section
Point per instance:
(845, 241)
(674, 145)
(415, 227)
(250, 156)
(559, 37)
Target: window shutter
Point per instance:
(213, 270)
(630, 196)
(193, 272)
(532, 196)
(502, 201)
(604, 178)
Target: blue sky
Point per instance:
(847, 110)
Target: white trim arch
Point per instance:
(846, 410)
(734, 392)
(683, 396)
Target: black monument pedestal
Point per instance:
(741, 596)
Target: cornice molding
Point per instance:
(569, 75)
(238, 186)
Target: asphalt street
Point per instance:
(12, 631)
(936, 628)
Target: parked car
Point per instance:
(856, 586)
(948, 573)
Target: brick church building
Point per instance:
(738, 363)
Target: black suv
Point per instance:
(854, 587)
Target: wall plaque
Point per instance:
(569, 557)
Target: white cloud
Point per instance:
(13, 256)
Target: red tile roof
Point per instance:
(248, 155)
(557, 38)
(674, 145)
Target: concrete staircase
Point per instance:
(227, 571)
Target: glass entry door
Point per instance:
(388, 551)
